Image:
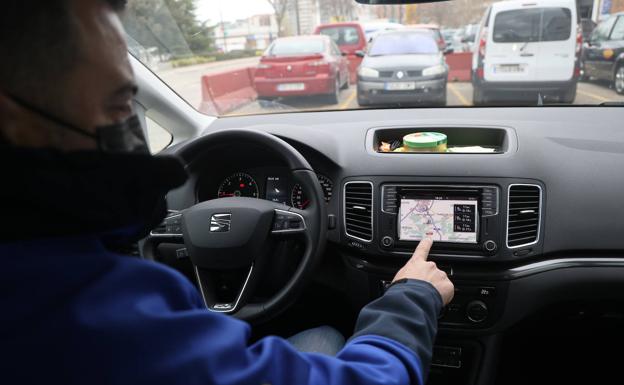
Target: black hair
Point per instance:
(38, 44)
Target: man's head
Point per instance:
(67, 58)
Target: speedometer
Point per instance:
(299, 199)
(238, 185)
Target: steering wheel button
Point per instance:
(182, 253)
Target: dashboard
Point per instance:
(534, 224)
(549, 198)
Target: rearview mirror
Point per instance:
(360, 53)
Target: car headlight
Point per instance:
(435, 70)
(368, 73)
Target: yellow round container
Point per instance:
(425, 142)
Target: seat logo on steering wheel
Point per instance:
(220, 223)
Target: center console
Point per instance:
(481, 228)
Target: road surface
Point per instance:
(186, 81)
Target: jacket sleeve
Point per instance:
(160, 334)
(407, 313)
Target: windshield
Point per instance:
(342, 35)
(403, 44)
(245, 57)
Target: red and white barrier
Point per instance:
(460, 66)
(226, 91)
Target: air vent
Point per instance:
(358, 208)
(523, 215)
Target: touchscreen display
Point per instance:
(446, 219)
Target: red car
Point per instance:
(302, 65)
(351, 40)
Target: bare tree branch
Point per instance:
(279, 7)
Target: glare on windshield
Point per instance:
(240, 57)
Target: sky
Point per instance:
(231, 9)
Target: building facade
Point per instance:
(253, 33)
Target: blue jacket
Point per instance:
(74, 313)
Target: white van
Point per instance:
(526, 50)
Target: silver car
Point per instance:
(403, 68)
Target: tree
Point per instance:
(169, 25)
(340, 10)
(279, 7)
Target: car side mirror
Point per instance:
(360, 53)
(344, 53)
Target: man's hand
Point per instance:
(418, 268)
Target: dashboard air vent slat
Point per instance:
(524, 214)
(358, 210)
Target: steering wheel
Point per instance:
(232, 234)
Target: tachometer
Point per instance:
(238, 185)
(298, 197)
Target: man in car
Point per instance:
(78, 179)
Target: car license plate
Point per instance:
(291, 87)
(401, 86)
(509, 68)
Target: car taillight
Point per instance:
(482, 42)
(579, 39)
(480, 73)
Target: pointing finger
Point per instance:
(422, 251)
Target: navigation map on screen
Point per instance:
(447, 220)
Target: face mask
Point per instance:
(126, 136)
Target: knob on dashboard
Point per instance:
(490, 246)
(387, 241)
(477, 311)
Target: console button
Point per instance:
(490, 246)
(487, 292)
(387, 241)
(477, 311)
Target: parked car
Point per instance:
(403, 68)
(448, 34)
(468, 37)
(375, 28)
(528, 51)
(437, 34)
(351, 40)
(604, 52)
(302, 65)
(587, 26)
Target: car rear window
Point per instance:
(342, 35)
(531, 25)
(403, 44)
(296, 47)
